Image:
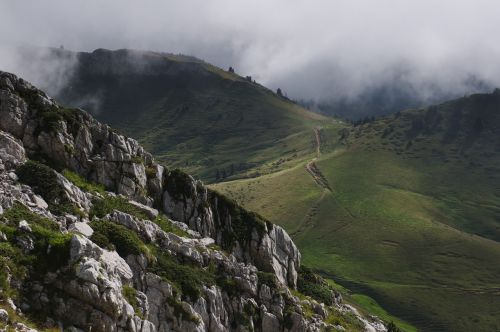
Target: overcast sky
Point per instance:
(310, 48)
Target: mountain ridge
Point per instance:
(190, 114)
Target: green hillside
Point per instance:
(403, 211)
(213, 123)
(407, 211)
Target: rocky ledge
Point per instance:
(94, 235)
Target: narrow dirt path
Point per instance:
(311, 167)
(321, 181)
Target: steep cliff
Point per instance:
(96, 235)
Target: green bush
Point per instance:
(228, 285)
(109, 203)
(51, 247)
(309, 283)
(130, 294)
(137, 160)
(43, 180)
(393, 328)
(20, 212)
(187, 278)
(82, 183)
(13, 264)
(178, 184)
(51, 118)
(125, 241)
(165, 224)
(243, 222)
(180, 312)
(268, 279)
(150, 172)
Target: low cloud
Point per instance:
(312, 49)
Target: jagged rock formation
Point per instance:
(87, 243)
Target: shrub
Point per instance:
(187, 278)
(82, 183)
(228, 285)
(109, 203)
(180, 312)
(52, 249)
(243, 222)
(150, 172)
(308, 283)
(20, 212)
(130, 294)
(137, 160)
(178, 184)
(393, 328)
(43, 180)
(51, 246)
(125, 241)
(52, 117)
(167, 226)
(268, 279)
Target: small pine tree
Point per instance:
(231, 70)
(392, 327)
(279, 92)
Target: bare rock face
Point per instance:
(268, 246)
(12, 151)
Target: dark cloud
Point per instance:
(310, 48)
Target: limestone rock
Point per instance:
(82, 228)
(11, 150)
(24, 226)
(4, 315)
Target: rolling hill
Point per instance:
(407, 211)
(190, 114)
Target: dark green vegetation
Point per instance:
(43, 180)
(189, 114)
(187, 278)
(82, 183)
(130, 294)
(412, 217)
(313, 285)
(112, 236)
(50, 116)
(243, 222)
(109, 203)
(50, 251)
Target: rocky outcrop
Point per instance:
(257, 241)
(75, 140)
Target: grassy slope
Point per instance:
(399, 223)
(191, 114)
